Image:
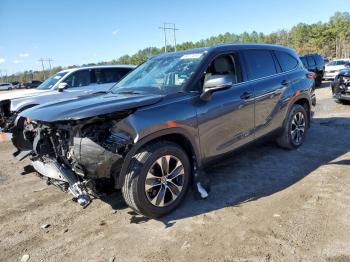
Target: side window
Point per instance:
(287, 62)
(260, 63)
(311, 61)
(225, 65)
(79, 78)
(110, 75)
(303, 60)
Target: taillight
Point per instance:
(311, 75)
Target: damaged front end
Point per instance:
(341, 86)
(78, 156)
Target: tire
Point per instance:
(318, 81)
(287, 140)
(139, 170)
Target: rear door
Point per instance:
(264, 74)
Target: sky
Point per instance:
(74, 32)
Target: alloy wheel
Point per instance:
(298, 128)
(164, 181)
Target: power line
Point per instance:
(172, 28)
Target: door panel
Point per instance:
(226, 121)
(268, 93)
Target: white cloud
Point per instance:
(16, 61)
(115, 32)
(24, 55)
(2, 60)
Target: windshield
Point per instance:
(50, 82)
(163, 75)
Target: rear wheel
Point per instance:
(157, 179)
(295, 128)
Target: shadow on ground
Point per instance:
(262, 170)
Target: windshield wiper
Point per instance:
(130, 92)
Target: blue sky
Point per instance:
(82, 31)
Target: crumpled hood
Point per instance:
(89, 106)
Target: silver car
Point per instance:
(66, 84)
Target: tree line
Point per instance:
(330, 39)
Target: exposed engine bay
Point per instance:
(78, 156)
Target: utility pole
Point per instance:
(49, 60)
(165, 28)
(42, 64)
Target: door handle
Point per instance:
(285, 82)
(246, 95)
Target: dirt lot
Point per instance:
(266, 204)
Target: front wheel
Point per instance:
(295, 128)
(157, 179)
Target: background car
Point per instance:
(32, 84)
(16, 84)
(6, 86)
(341, 86)
(333, 68)
(314, 63)
(66, 84)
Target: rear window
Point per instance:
(319, 60)
(303, 60)
(260, 63)
(287, 62)
(110, 75)
(310, 60)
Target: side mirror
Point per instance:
(61, 86)
(215, 83)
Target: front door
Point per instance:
(226, 121)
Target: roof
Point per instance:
(223, 47)
(97, 67)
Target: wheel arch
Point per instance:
(175, 135)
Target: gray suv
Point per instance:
(168, 120)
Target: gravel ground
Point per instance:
(266, 204)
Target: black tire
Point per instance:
(286, 140)
(318, 81)
(134, 191)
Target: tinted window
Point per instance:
(310, 61)
(79, 78)
(303, 60)
(287, 62)
(110, 75)
(260, 63)
(319, 60)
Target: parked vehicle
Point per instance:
(16, 84)
(341, 86)
(6, 86)
(314, 63)
(66, 84)
(168, 119)
(32, 84)
(333, 68)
